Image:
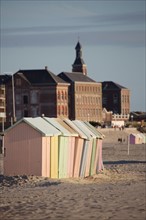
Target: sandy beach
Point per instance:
(117, 193)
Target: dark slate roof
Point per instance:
(78, 46)
(4, 79)
(39, 76)
(109, 85)
(78, 61)
(75, 77)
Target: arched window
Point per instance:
(62, 95)
(59, 95)
(59, 110)
(65, 110)
(62, 110)
(65, 95)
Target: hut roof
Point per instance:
(38, 124)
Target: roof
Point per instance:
(94, 130)
(90, 135)
(75, 77)
(109, 85)
(72, 125)
(78, 46)
(57, 125)
(78, 61)
(66, 126)
(39, 76)
(4, 78)
(40, 125)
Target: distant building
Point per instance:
(115, 98)
(85, 94)
(37, 92)
(85, 97)
(106, 117)
(3, 80)
(137, 116)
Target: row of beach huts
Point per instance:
(139, 138)
(52, 147)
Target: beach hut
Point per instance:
(98, 164)
(65, 155)
(96, 159)
(132, 138)
(78, 150)
(140, 139)
(71, 147)
(27, 147)
(60, 154)
(136, 139)
(143, 137)
(88, 152)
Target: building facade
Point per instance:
(34, 93)
(115, 98)
(85, 94)
(85, 97)
(3, 80)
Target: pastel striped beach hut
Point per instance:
(98, 165)
(88, 149)
(27, 147)
(65, 152)
(136, 139)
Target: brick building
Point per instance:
(36, 92)
(115, 98)
(85, 94)
(3, 81)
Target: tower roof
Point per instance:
(78, 46)
(79, 64)
(79, 61)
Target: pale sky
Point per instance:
(38, 33)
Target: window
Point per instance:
(127, 98)
(58, 110)
(62, 95)
(104, 100)
(62, 110)
(115, 98)
(25, 113)
(65, 110)
(34, 97)
(25, 99)
(59, 95)
(18, 82)
(65, 95)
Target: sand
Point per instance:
(116, 193)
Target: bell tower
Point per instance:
(79, 65)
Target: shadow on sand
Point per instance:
(124, 162)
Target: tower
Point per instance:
(79, 65)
